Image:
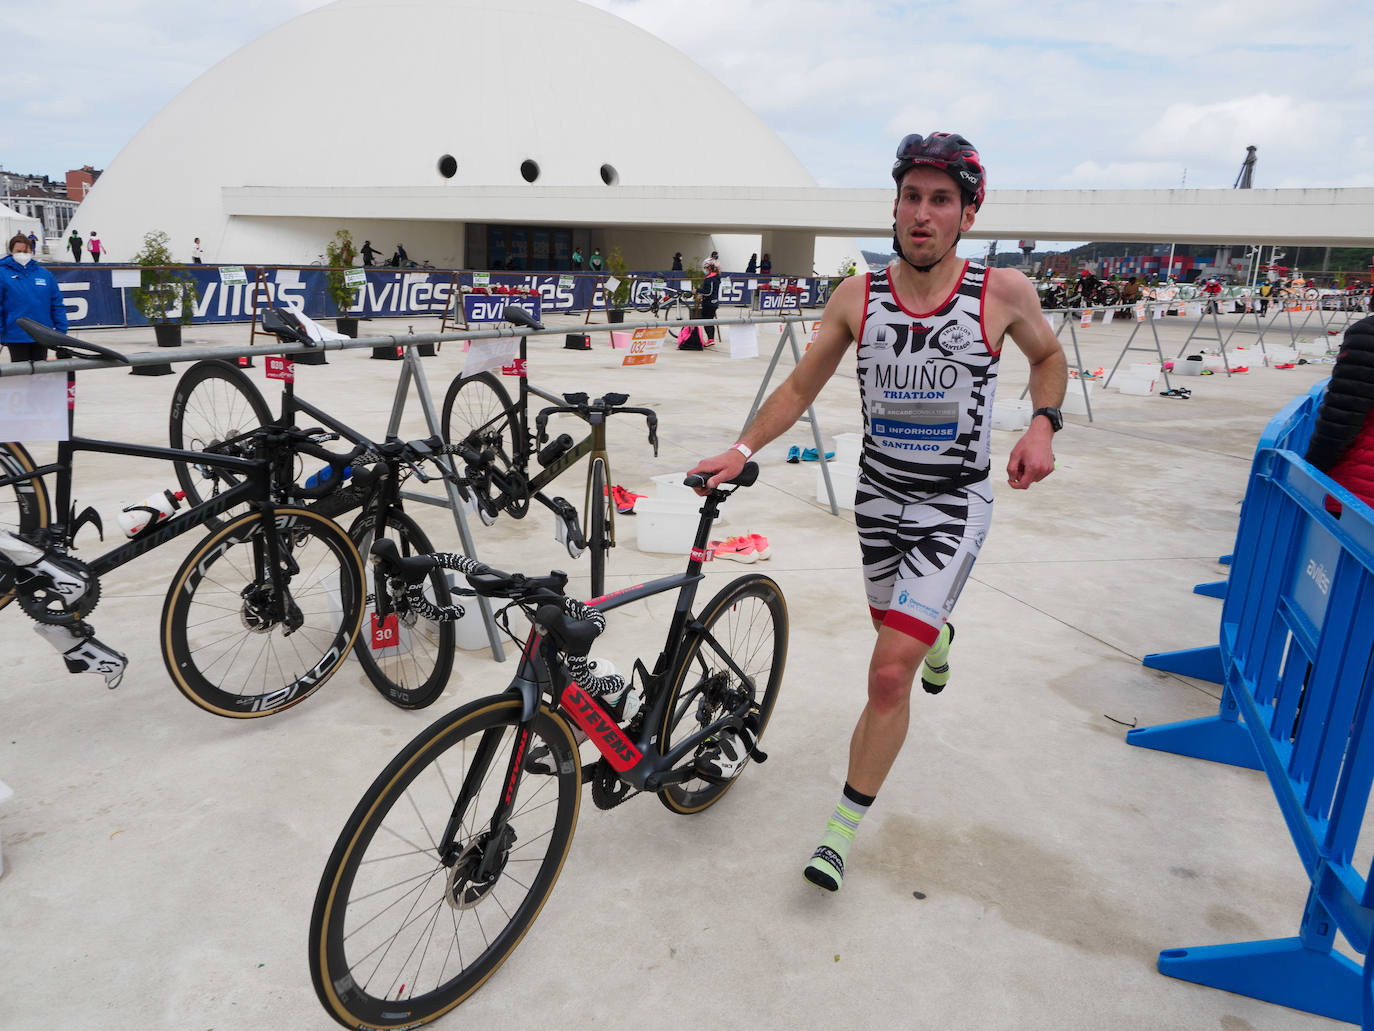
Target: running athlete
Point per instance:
(930, 330)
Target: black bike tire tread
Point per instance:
(36, 514)
(166, 629)
(734, 589)
(212, 368)
(448, 635)
(320, 917)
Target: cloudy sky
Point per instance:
(1054, 94)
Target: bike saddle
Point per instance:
(284, 325)
(48, 337)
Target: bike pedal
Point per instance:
(566, 530)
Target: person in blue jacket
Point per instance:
(27, 290)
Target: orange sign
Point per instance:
(645, 347)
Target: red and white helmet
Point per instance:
(948, 152)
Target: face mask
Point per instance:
(23, 257)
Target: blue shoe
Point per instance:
(794, 454)
(809, 455)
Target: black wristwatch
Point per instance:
(1052, 414)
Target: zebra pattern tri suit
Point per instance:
(923, 503)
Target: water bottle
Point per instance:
(152, 509)
(621, 703)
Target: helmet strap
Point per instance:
(923, 269)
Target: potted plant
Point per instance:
(619, 298)
(339, 255)
(166, 295)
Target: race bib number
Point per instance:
(387, 633)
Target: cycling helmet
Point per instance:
(948, 152)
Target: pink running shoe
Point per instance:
(736, 549)
(761, 545)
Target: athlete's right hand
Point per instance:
(724, 466)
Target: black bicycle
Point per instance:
(451, 853)
(478, 412)
(216, 409)
(261, 612)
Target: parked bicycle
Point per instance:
(452, 852)
(665, 302)
(479, 413)
(261, 612)
(216, 409)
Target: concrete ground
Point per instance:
(1022, 867)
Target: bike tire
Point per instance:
(213, 402)
(414, 673)
(477, 411)
(387, 931)
(209, 624)
(24, 507)
(748, 621)
(600, 525)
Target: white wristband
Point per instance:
(743, 449)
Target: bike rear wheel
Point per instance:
(398, 938)
(744, 631)
(213, 403)
(223, 642)
(477, 412)
(412, 671)
(24, 506)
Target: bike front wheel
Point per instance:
(398, 937)
(24, 504)
(408, 662)
(738, 656)
(233, 643)
(600, 525)
(213, 403)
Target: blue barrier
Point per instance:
(92, 299)
(1291, 429)
(1296, 642)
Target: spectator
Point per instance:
(596, 263)
(197, 253)
(74, 245)
(33, 244)
(709, 294)
(400, 258)
(27, 290)
(577, 259)
(1266, 291)
(369, 253)
(1130, 293)
(95, 247)
(1342, 444)
(753, 265)
(766, 265)
(677, 261)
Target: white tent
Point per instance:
(12, 222)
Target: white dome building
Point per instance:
(477, 134)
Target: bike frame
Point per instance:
(542, 674)
(594, 444)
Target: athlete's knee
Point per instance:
(889, 684)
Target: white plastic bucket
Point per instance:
(666, 525)
(843, 476)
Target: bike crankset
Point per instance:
(43, 603)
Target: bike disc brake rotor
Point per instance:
(466, 887)
(43, 604)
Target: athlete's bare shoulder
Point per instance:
(1010, 288)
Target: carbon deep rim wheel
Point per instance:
(411, 668)
(397, 937)
(222, 641)
(213, 403)
(23, 506)
(748, 620)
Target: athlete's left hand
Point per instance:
(1032, 459)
